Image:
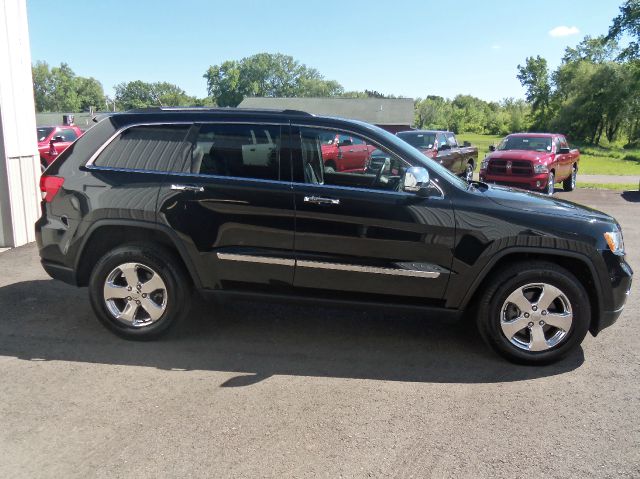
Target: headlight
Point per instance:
(614, 240)
(485, 164)
(540, 169)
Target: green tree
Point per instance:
(139, 94)
(60, 89)
(266, 74)
(627, 22)
(534, 76)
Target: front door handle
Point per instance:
(197, 189)
(318, 200)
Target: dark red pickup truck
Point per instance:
(443, 147)
(535, 161)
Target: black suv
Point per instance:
(151, 204)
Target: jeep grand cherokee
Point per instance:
(149, 205)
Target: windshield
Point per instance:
(419, 139)
(432, 165)
(43, 133)
(529, 143)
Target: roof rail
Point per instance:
(152, 109)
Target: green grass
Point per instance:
(609, 186)
(594, 160)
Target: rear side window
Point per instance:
(242, 151)
(152, 148)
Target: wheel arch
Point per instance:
(105, 235)
(575, 262)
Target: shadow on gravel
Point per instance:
(631, 196)
(47, 320)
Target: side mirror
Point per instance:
(492, 147)
(57, 139)
(345, 143)
(564, 151)
(466, 143)
(416, 180)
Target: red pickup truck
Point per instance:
(53, 140)
(535, 161)
(345, 153)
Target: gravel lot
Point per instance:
(287, 391)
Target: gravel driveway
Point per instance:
(288, 391)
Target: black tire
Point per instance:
(569, 184)
(551, 181)
(513, 278)
(157, 260)
(330, 168)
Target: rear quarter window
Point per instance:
(152, 148)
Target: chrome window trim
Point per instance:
(91, 166)
(355, 268)
(92, 159)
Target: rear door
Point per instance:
(232, 205)
(359, 235)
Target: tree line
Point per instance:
(594, 93)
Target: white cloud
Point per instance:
(563, 31)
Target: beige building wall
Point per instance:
(19, 162)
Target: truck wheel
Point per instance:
(569, 184)
(139, 291)
(534, 312)
(551, 180)
(468, 174)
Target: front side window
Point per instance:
(43, 133)
(366, 166)
(243, 151)
(442, 140)
(451, 140)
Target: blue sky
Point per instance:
(411, 48)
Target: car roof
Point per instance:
(425, 131)
(544, 135)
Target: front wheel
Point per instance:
(551, 181)
(534, 313)
(569, 184)
(468, 174)
(139, 291)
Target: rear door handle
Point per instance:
(318, 200)
(198, 189)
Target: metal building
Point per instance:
(19, 163)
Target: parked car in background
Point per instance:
(53, 140)
(535, 161)
(150, 204)
(443, 147)
(345, 153)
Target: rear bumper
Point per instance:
(62, 273)
(535, 182)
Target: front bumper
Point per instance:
(535, 182)
(620, 280)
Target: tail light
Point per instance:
(50, 185)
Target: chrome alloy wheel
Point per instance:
(468, 175)
(135, 295)
(574, 172)
(536, 317)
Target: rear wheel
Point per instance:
(139, 291)
(551, 181)
(569, 184)
(534, 312)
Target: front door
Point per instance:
(231, 203)
(358, 234)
